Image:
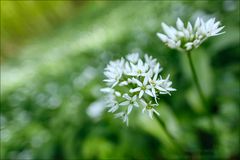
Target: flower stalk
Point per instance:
(186, 37)
(204, 102)
(161, 123)
(195, 78)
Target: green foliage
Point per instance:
(47, 90)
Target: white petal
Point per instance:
(186, 33)
(215, 26)
(203, 27)
(179, 24)
(209, 23)
(120, 114)
(178, 43)
(126, 96)
(146, 67)
(149, 73)
(218, 34)
(136, 104)
(125, 103)
(155, 76)
(155, 111)
(137, 82)
(171, 89)
(113, 109)
(143, 103)
(153, 92)
(118, 94)
(197, 23)
(127, 68)
(135, 90)
(163, 37)
(166, 28)
(168, 76)
(171, 43)
(140, 63)
(173, 30)
(215, 32)
(149, 93)
(134, 57)
(125, 119)
(145, 80)
(129, 80)
(180, 34)
(160, 88)
(109, 80)
(141, 94)
(107, 90)
(124, 83)
(189, 27)
(130, 107)
(166, 92)
(150, 113)
(134, 98)
(189, 45)
(115, 84)
(169, 31)
(196, 42)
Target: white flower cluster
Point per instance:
(134, 83)
(189, 37)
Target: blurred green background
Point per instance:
(52, 58)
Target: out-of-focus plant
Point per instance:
(21, 21)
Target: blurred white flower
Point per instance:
(95, 109)
(191, 36)
(130, 82)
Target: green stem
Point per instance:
(204, 102)
(161, 123)
(196, 79)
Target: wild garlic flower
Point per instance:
(134, 83)
(189, 37)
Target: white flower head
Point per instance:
(190, 36)
(130, 82)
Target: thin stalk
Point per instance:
(204, 102)
(196, 79)
(161, 123)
